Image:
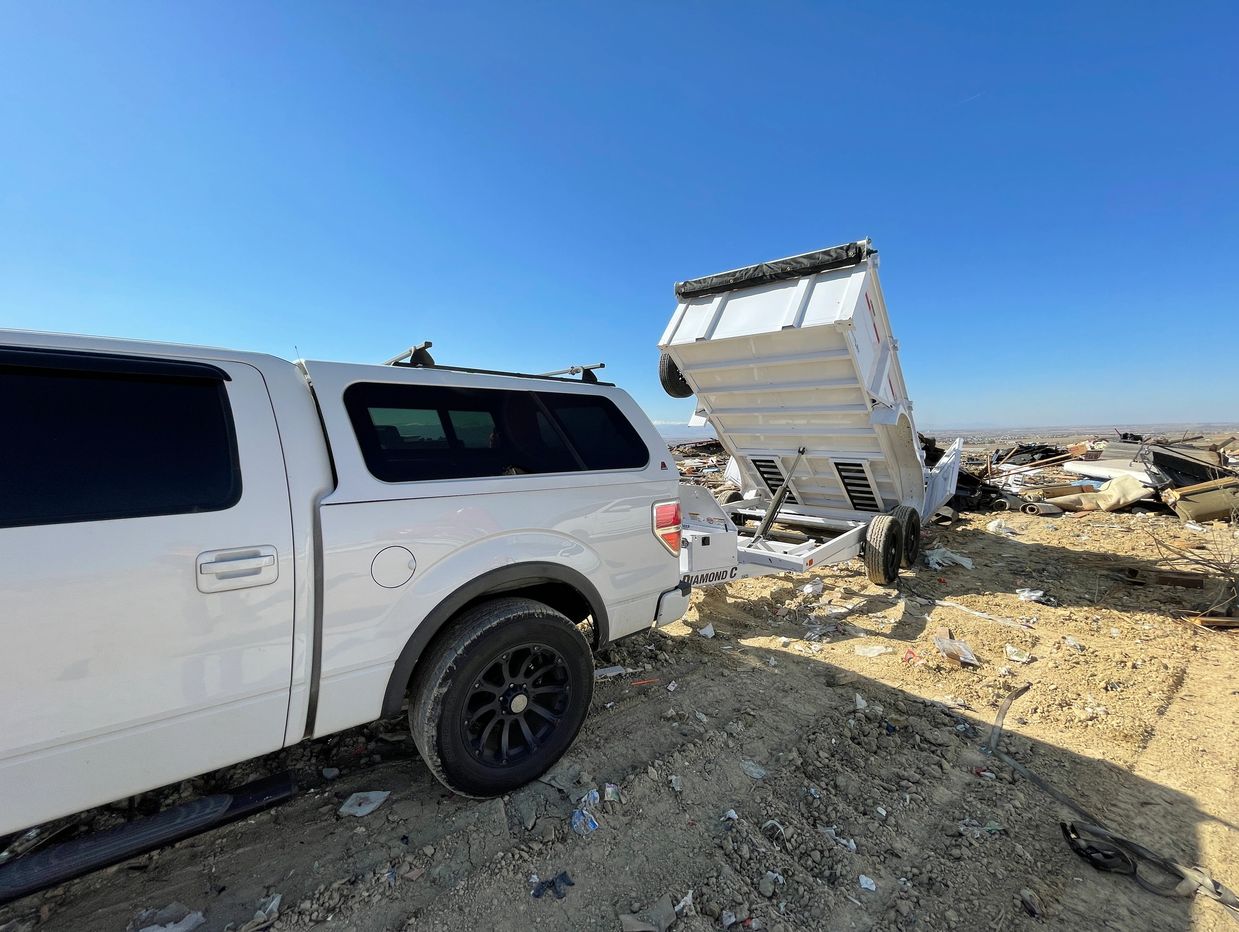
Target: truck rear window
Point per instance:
(411, 433)
(91, 445)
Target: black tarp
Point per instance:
(809, 263)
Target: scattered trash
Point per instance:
(999, 526)
(685, 906)
(911, 656)
(362, 804)
(612, 793)
(677, 784)
(956, 650)
(672, 686)
(867, 883)
(860, 702)
(752, 769)
(583, 821)
(589, 800)
(330, 773)
(832, 833)
(813, 588)
(1031, 903)
(873, 650)
(557, 886)
(1194, 526)
(784, 641)
(727, 918)
(269, 910)
(175, 917)
(707, 631)
(603, 673)
(1033, 595)
(1073, 643)
(774, 830)
(729, 816)
(701, 717)
(1044, 509)
(1016, 654)
(940, 557)
(563, 776)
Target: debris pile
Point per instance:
(1199, 480)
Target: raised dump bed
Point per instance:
(794, 365)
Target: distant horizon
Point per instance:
(683, 431)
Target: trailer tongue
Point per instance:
(794, 365)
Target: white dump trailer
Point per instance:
(794, 365)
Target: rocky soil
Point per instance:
(817, 764)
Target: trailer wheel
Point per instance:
(731, 496)
(910, 523)
(500, 696)
(672, 378)
(883, 550)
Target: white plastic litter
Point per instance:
(603, 673)
(1030, 595)
(685, 906)
(867, 883)
(362, 804)
(861, 704)
(1016, 654)
(707, 631)
(939, 557)
(999, 526)
(872, 650)
(729, 816)
(956, 649)
(812, 588)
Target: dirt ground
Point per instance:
(774, 769)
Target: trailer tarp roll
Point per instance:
(821, 260)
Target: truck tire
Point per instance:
(883, 550)
(910, 523)
(500, 696)
(672, 378)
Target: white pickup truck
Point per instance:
(210, 555)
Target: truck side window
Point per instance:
(411, 433)
(598, 431)
(112, 440)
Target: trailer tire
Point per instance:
(731, 496)
(672, 378)
(910, 523)
(500, 696)
(883, 550)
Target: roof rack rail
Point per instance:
(415, 356)
(585, 372)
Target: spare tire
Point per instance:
(672, 378)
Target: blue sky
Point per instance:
(1054, 189)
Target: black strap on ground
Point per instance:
(1104, 849)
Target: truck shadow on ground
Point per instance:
(857, 777)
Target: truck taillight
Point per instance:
(667, 525)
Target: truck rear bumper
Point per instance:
(672, 604)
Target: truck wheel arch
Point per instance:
(554, 584)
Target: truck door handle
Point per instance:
(216, 567)
(237, 568)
